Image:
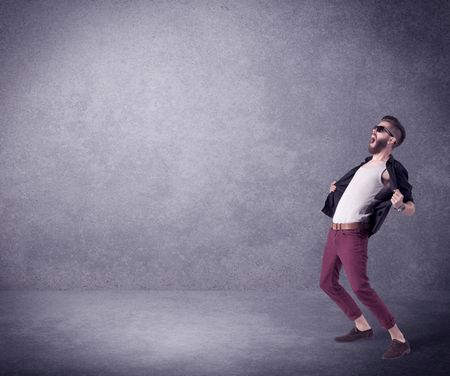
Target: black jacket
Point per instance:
(398, 179)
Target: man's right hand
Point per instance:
(332, 186)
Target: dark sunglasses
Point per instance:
(380, 129)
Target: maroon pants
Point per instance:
(348, 248)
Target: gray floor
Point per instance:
(210, 333)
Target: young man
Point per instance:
(358, 203)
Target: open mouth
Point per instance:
(372, 139)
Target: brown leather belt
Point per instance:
(350, 226)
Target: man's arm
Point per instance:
(410, 208)
(397, 202)
(397, 197)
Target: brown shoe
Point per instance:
(355, 334)
(396, 350)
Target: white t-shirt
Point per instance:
(356, 204)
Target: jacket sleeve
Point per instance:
(329, 206)
(403, 184)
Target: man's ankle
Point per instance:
(401, 339)
(362, 328)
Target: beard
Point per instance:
(378, 146)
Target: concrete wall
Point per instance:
(191, 144)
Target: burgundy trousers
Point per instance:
(348, 248)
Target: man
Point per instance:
(358, 203)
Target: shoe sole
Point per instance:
(366, 338)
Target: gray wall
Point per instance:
(191, 144)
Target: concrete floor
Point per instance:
(211, 333)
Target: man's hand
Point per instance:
(332, 186)
(397, 199)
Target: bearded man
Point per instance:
(358, 203)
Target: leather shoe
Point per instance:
(396, 350)
(355, 334)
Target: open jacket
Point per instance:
(398, 180)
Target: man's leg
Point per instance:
(397, 334)
(362, 324)
(329, 279)
(353, 254)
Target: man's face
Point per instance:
(379, 140)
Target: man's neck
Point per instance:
(382, 156)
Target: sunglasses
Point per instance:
(380, 129)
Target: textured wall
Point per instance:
(191, 144)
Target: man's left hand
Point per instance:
(397, 199)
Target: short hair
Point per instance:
(399, 127)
